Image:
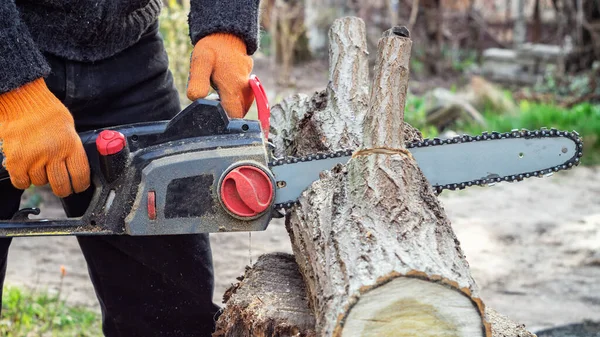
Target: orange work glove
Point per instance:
(39, 141)
(221, 59)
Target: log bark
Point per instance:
(372, 243)
(269, 301)
(330, 118)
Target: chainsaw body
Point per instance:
(170, 177)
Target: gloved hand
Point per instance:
(221, 59)
(39, 141)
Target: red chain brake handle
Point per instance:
(262, 104)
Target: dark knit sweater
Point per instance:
(92, 30)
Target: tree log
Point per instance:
(269, 301)
(375, 249)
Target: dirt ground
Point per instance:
(533, 247)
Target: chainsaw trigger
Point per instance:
(23, 214)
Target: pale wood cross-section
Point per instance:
(376, 252)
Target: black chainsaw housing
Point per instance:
(188, 152)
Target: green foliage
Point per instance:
(33, 198)
(569, 85)
(583, 118)
(265, 43)
(461, 59)
(414, 114)
(26, 313)
(174, 29)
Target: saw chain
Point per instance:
(485, 136)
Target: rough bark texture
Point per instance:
(502, 326)
(269, 301)
(331, 118)
(373, 245)
(377, 218)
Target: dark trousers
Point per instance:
(146, 286)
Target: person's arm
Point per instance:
(21, 61)
(37, 132)
(237, 17)
(224, 34)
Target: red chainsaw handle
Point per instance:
(262, 103)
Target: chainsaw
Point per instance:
(202, 172)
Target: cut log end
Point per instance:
(409, 306)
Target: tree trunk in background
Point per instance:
(286, 23)
(520, 29)
(433, 19)
(374, 247)
(318, 17)
(537, 23)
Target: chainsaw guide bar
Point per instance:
(294, 175)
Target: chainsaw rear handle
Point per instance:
(132, 132)
(88, 138)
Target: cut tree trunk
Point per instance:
(375, 249)
(373, 244)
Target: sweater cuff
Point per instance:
(20, 60)
(238, 17)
